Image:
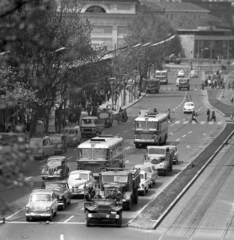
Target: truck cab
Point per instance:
(160, 157)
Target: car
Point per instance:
(180, 73)
(144, 184)
(60, 143)
(176, 153)
(73, 135)
(151, 172)
(56, 168)
(177, 81)
(143, 113)
(194, 74)
(189, 107)
(78, 180)
(42, 203)
(61, 190)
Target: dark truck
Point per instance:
(172, 59)
(119, 189)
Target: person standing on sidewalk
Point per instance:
(169, 115)
(208, 114)
(213, 116)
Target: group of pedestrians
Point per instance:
(211, 116)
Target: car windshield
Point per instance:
(55, 186)
(54, 161)
(156, 151)
(183, 80)
(35, 143)
(189, 104)
(93, 153)
(146, 124)
(79, 176)
(113, 178)
(55, 139)
(40, 197)
(88, 121)
(70, 131)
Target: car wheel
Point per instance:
(43, 178)
(69, 202)
(88, 220)
(119, 220)
(129, 205)
(55, 213)
(64, 204)
(28, 219)
(143, 192)
(137, 145)
(51, 217)
(61, 176)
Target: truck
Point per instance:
(118, 190)
(161, 157)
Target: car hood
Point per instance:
(76, 183)
(53, 165)
(155, 156)
(38, 206)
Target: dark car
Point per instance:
(61, 190)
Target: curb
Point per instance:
(164, 214)
(136, 101)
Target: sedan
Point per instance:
(189, 107)
(180, 73)
(151, 172)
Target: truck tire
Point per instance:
(128, 205)
(165, 172)
(119, 221)
(135, 196)
(88, 222)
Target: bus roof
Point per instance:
(101, 142)
(158, 117)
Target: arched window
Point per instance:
(96, 9)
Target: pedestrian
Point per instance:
(213, 116)
(193, 117)
(208, 114)
(155, 110)
(169, 115)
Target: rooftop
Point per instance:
(181, 7)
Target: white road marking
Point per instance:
(82, 209)
(202, 122)
(194, 122)
(211, 123)
(127, 161)
(125, 131)
(127, 148)
(188, 146)
(190, 132)
(219, 123)
(67, 223)
(177, 122)
(69, 219)
(185, 122)
(184, 119)
(184, 136)
(177, 139)
(172, 124)
(28, 178)
(14, 214)
(70, 158)
(61, 237)
(171, 133)
(204, 134)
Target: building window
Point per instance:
(96, 9)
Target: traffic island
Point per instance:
(157, 209)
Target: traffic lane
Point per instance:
(45, 231)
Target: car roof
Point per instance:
(57, 157)
(126, 173)
(79, 171)
(189, 103)
(39, 191)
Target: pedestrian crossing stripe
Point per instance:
(211, 123)
(203, 122)
(177, 122)
(194, 122)
(186, 122)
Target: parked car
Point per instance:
(60, 143)
(56, 168)
(40, 147)
(73, 135)
(42, 204)
(61, 190)
(78, 180)
(151, 172)
(189, 107)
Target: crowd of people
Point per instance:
(214, 80)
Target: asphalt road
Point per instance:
(190, 139)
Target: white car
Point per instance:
(143, 113)
(78, 180)
(188, 107)
(194, 74)
(176, 153)
(151, 172)
(42, 204)
(180, 73)
(144, 184)
(178, 81)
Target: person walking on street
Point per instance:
(169, 115)
(208, 114)
(193, 118)
(213, 116)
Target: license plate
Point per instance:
(107, 216)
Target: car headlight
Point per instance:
(48, 209)
(161, 165)
(60, 197)
(27, 209)
(136, 136)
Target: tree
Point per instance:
(147, 27)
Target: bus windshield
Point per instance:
(146, 124)
(93, 153)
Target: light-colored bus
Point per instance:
(152, 85)
(100, 152)
(151, 129)
(162, 76)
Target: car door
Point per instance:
(50, 147)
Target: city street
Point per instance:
(190, 138)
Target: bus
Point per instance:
(162, 76)
(151, 129)
(100, 152)
(152, 85)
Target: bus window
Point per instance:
(100, 153)
(152, 125)
(140, 124)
